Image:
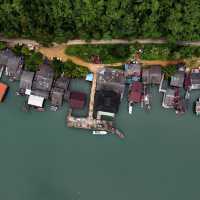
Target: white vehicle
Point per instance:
(99, 132)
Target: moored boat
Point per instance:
(197, 107)
(130, 108)
(99, 132)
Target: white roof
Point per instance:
(35, 101)
(28, 92)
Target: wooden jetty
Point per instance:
(90, 122)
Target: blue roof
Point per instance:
(89, 77)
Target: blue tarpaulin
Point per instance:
(89, 77)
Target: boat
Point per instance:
(187, 95)
(147, 102)
(130, 108)
(99, 132)
(197, 107)
(40, 109)
(1, 71)
(146, 99)
(53, 108)
(119, 134)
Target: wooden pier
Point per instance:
(90, 122)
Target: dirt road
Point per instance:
(59, 52)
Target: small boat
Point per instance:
(187, 95)
(53, 108)
(40, 109)
(119, 134)
(147, 102)
(130, 108)
(1, 71)
(197, 107)
(99, 132)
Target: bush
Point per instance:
(31, 58)
(69, 69)
(169, 71)
(2, 45)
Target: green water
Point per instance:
(41, 159)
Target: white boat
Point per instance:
(99, 132)
(130, 108)
(1, 71)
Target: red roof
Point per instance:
(135, 94)
(77, 100)
(3, 90)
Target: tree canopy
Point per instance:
(60, 20)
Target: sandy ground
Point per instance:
(59, 52)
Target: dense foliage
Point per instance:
(121, 53)
(69, 69)
(107, 53)
(60, 20)
(169, 71)
(168, 52)
(32, 59)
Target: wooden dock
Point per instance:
(90, 122)
(92, 95)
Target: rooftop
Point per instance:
(133, 69)
(77, 100)
(3, 90)
(107, 101)
(57, 96)
(135, 94)
(177, 79)
(26, 80)
(44, 78)
(111, 75)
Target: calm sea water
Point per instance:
(42, 159)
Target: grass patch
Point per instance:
(107, 53)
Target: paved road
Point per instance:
(113, 41)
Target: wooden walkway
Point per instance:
(92, 95)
